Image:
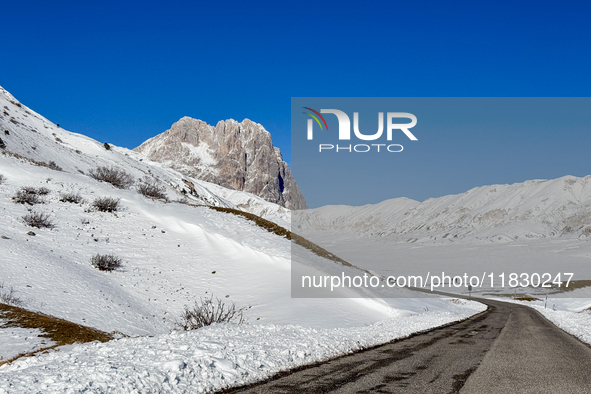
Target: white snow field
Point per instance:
(172, 255)
(17, 340)
(540, 226)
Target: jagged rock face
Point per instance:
(239, 156)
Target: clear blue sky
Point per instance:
(462, 143)
(124, 71)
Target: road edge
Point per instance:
(288, 372)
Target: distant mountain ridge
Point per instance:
(532, 209)
(235, 155)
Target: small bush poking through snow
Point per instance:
(41, 191)
(211, 310)
(8, 296)
(73, 198)
(150, 188)
(22, 197)
(106, 204)
(53, 165)
(113, 175)
(2, 179)
(105, 262)
(30, 195)
(38, 219)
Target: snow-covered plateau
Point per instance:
(538, 226)
(173, 253)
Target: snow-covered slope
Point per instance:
(532, 209)
(173, 253)
(33, 136)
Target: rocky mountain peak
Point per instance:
(236, 155)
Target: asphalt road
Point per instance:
(508, 349)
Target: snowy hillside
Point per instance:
(539, 226)
(33, 136)
(172, 254)
(529, 210)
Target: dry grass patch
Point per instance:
(575, 284)
(51, 165)
(283, 232)
(527, 298)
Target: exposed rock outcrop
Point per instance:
(239, 156)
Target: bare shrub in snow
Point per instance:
(105, 262)
(211, 310)
(8, 296)
(150, 188)
(38, 219)
(2, 179)
(22, 197)
(41, 191)
(74, 198)
(53, 165)
(30, 195)
(106, 204)
(113, 175)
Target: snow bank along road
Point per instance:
(507, 349)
